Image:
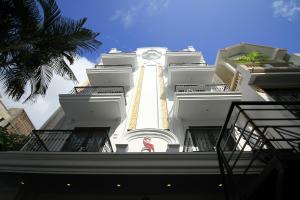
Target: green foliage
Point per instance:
(11, 141)
(35, 43)
(253, 57)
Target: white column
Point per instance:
(148, 116)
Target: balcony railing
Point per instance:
(188, 64)
(186, 88)
(267, 130)
(90, 90)
(68, 141)
(113, 66)
(204, 139)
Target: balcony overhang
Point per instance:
(190, 75)
(204, 108)
(183, 57)
(276, 80)
(111, 163)
(268, 76)
(119, 59)
(93, 107)
(111, 76)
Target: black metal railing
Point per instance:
(114, 66)
(90, 90)
(188, 145)
(68, 141)
(262, 130)
(186, 88)
(189, 64)
(204, 139)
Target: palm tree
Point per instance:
(35, 43)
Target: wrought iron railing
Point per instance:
(186, 88)
(204, 139)
(68, 141)
(260, 129)
(188, 142)
(189, 64)
(90, 90)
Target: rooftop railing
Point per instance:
(90, 90)
(68, 141)
(268, 130)
(190, 88)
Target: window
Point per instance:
(204, 139)
(285, 95)
(90, 139)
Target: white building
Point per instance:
(146, 119)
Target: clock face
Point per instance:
(151, 55)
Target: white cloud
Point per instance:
(127, 17)
(44, 107)
(288, 9)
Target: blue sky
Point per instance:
(208, 25)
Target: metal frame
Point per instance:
(97, 89)
(269, 136)
(202, 87)
(35, 141)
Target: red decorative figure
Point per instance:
(147, 145)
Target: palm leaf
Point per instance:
(36, 43)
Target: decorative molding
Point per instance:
(165, 135)
(116, 163)
(164, 117)
(136, 102)
(151, 54)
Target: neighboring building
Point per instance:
(15, 120)
(160, 124)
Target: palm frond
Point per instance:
(51, 12)
(14, 81)
(36, 43)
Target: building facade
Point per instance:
(15, 120)
(162, 124)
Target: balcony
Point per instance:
(188, 64)
(94, 103)
(204, 139)
(120, 58)
(227, 57)
(77, 140)
(272, 74)
(111, 75)
(194, 88)
(179, 57)
(204, 105)
(271, 132)
(196, 73)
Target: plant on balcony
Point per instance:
(253, 57)
(11, 141)
(37, 42)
